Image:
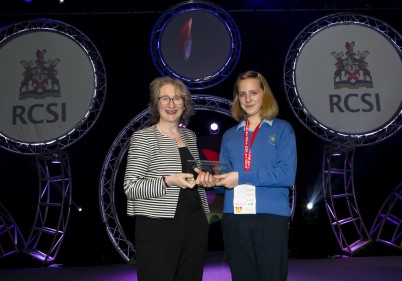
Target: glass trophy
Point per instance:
(213, 167)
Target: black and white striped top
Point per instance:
(151, 156)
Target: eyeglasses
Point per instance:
(166, 100)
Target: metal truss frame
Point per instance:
(53, 209)
(294, 100)
(98, 97)
(52, 214)
(292, 200)
(337, 171)
(387, 226)
(54, 196)
(198, 82)
(11, 239)
(117, 154)
(340, 199)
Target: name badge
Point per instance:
(244, 201)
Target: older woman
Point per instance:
(171, 230)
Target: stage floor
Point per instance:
(371, 268)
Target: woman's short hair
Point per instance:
(269, 108)
(180, 90)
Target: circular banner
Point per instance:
(48, 85)
(346, 77)
(198, 42)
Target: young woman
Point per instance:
(261, 153)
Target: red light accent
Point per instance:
(185, 39)
(210, 155)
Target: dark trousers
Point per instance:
(171, 249)
(256, 246)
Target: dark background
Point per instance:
(121, 32)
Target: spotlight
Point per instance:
(310, 214)
(214, 129)
(55, 158)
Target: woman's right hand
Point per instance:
(182, 180)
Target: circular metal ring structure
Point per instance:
(10, 233)
(53, 89)
(342, 87)
(342, 79)
(197, 42)
(118, 152)
(52, 95)
(387, 227)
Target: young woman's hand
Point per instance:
(228, 180)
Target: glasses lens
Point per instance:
(166, 100)
(177, 100)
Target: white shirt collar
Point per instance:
(243, 123)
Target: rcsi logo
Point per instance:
(346, 77)
(49, 82)
(352, 73)
(40, 77)
(40, 81)
(351, 68)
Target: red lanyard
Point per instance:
(247, 149)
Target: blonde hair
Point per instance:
(181, 91)
(269, 107)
